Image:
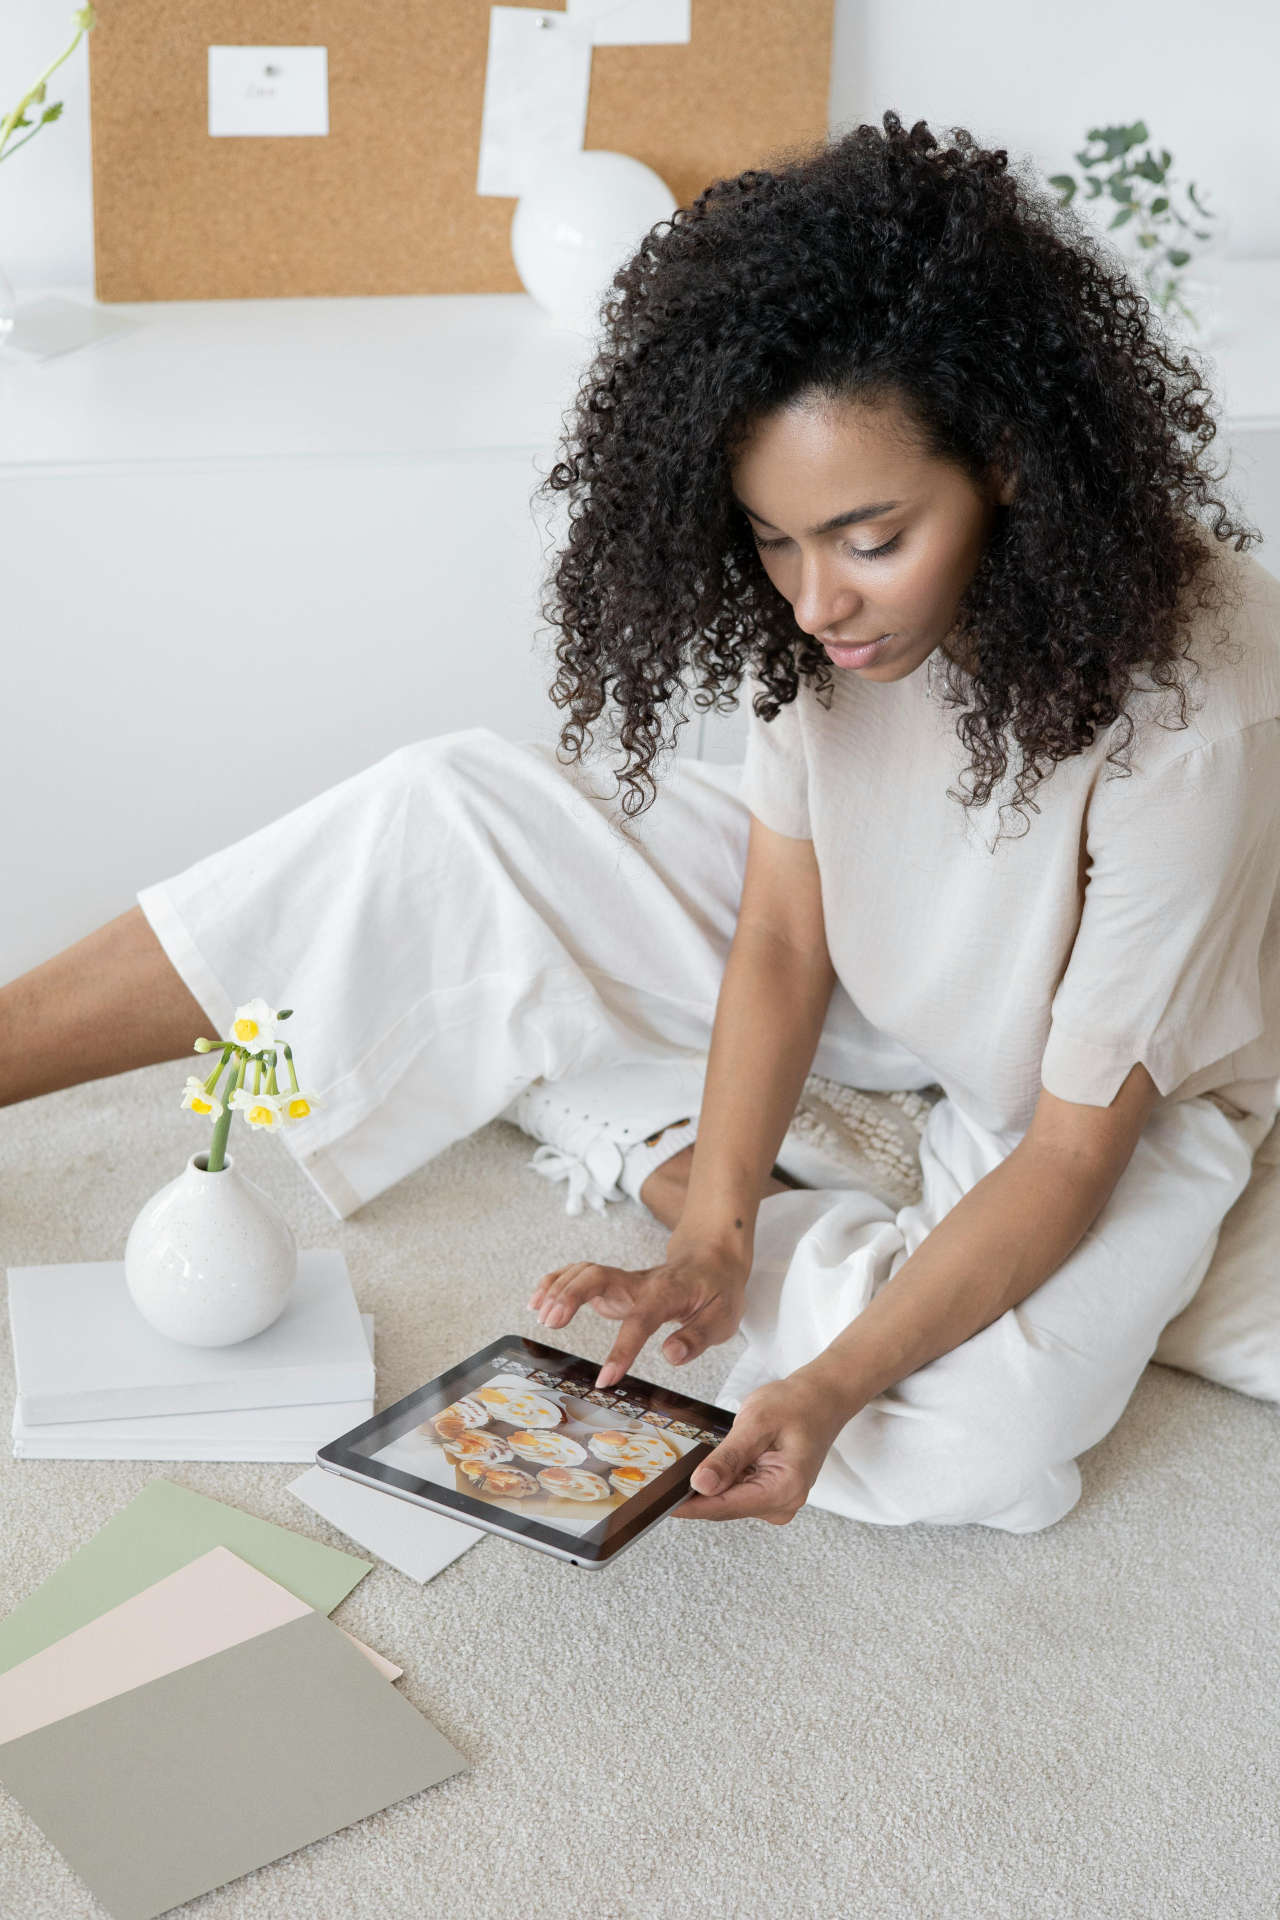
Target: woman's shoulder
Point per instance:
(1232, 675)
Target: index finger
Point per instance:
(628, 1341)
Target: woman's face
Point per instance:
(815, 462)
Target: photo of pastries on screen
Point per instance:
(525, 1441)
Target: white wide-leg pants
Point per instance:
(466, 915)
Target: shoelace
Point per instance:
(592, 1175)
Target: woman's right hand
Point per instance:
(702, 1287)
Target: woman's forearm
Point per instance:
(999, 1242)
(772, 1003)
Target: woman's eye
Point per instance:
(863, 553)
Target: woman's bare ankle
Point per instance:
(665, 1191)
(110, 1002)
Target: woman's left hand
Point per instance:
(769, 1459)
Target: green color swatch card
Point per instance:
(164, 1528)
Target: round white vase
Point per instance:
(581, 217)
(210, 1259)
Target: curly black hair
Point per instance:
(881, 265)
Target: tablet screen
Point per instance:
(519, 1431)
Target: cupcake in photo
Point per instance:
(573, 1483)
(478, 1444)
(632, 1447)
(631, 1479)
(552, 1449)
(456, 1419)
(497, 1390)
(506, 1483)
(531, 1409)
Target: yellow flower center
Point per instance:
(262, 1116)
(201, 1106)
(245, 1031)
(298, 1109)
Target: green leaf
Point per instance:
(1118, 140)
(51, 113)
(1178, 257)
(1159, 205)
(1120, 189)
(1125, 213)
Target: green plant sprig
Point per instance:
(85, 20)
(1140, 187)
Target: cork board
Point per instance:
(385, 203)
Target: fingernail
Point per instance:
(677, 1350)
(707, 1479)
(607, 1376)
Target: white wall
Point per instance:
(1023, 74)
(1033, 76)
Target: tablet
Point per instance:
(516, 1439)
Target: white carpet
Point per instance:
(736, 1720)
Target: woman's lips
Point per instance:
(855, 656)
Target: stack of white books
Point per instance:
(95, 1381)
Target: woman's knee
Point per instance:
(979, 1440)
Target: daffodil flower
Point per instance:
(199, 1099)
(254, 1026)
(252, 1040)
(259, 1109)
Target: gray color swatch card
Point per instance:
(178, 1786)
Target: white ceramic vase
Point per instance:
(210, 1259)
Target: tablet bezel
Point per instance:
(652, 1503)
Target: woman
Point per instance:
(884, 410)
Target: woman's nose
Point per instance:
(823, 599)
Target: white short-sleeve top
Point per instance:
(1135, 918)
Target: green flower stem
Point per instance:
(212, 1081)
(222, 1125)
(84, 21)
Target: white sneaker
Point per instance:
(605, 1131)
(851, 1137)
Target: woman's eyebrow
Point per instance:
(829, 526)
